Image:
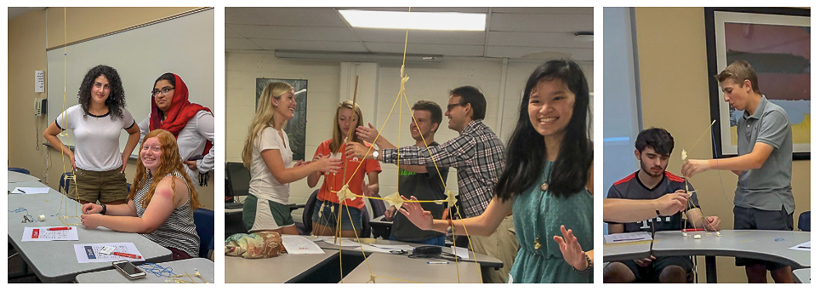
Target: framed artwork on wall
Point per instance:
(777, 43)
(296, 127)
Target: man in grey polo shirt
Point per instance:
(763, 199)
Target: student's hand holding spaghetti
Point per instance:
(672, 203)
(91, 208)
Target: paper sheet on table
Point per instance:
(300, 245)
(43, 234)
(90, 252)
(392, 247)
(344, 242)
(30, 190)
(627, 237)
(806, 246)
(463, 253)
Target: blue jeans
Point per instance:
(329, 217)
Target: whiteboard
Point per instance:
(184, 46)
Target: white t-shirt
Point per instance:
(263, 185)
(97, 138)
(191, 141)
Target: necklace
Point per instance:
(544, 187)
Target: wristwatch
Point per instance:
(104, 209)
(376, 155)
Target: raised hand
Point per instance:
(327, 164)
(353, 149)
(571, 249)
(368, 133)
(413, 211)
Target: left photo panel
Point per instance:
(110, 171)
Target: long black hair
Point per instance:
(526, 150)
(116, 97)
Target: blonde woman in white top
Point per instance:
(267, 154)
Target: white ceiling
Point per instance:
(511, 33)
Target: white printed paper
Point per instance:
(90, 252)
(806, 246)
(344, 242)
(44, 234)
(30, 190)
(627, 237)
(391, 247)
(300, 245)
(461, 252)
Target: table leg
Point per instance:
(711, 269)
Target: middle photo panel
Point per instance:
(409, 145)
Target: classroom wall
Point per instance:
(671, 46)
(29, 36)
(427, 81)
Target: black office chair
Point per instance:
(366, 230)
(379, 230)
(306, 226)
(238, 179)
(378, 206)
(804, 221)
(237, 183)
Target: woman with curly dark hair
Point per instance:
(97, 120)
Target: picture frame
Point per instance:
(777, 43)
(296, 128)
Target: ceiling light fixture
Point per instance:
(452, 21)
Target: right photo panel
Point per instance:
(706, 139)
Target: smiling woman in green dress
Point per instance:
(546, 183)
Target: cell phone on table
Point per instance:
(129, 270)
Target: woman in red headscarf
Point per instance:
(191, 124)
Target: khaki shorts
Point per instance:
(105, 186)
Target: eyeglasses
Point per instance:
(164, 91)
(453, 105)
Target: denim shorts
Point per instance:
(329, 214)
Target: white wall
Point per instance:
(427, 81)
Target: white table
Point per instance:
(190, 266)
(769, 245)
(54, 261)
(292, 268)
(484, 260)
(803, 275)
(388, 269)
(286, 268)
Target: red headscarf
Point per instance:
(178, 114)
